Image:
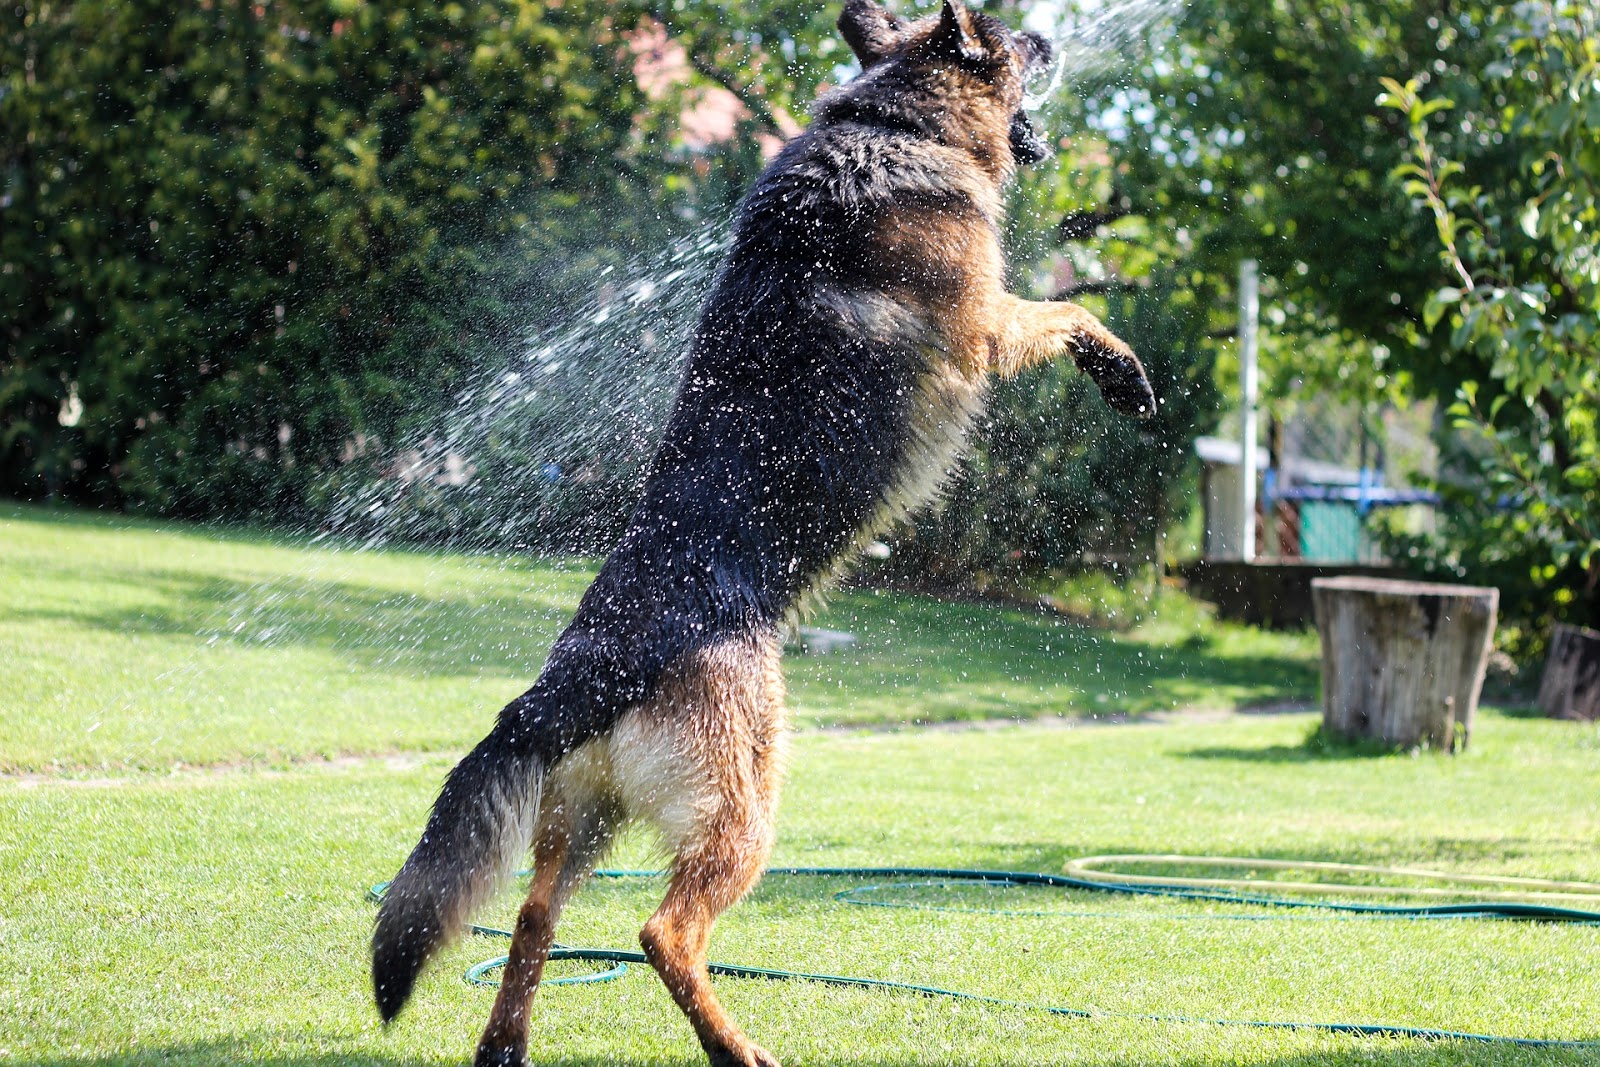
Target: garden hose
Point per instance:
(1522, 902)
(1521, 889)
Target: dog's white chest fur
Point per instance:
(944, 406)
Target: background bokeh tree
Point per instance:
(249, 238)
(1258, 131)
(1520, 259)
(1255, 132)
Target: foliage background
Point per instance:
(253, 239)
(256, 253)
(1440, 247)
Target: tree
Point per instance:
(1254, 132)
(251, 238)
(1267, 132)
(1522, 260)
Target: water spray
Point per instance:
(1091, 45)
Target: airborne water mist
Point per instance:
(548, 451)
(1095, 44)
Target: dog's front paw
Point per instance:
(1118, 373)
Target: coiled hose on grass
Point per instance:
(1517, 899)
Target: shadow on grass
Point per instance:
(1520, 710)
(1319, 746)
(941, 660)
(916, 658)
(1374, 1052)
(489, 629)
(85, 518)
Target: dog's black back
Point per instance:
(789, 433)
(834, 371)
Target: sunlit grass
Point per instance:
(138, 644)
(158, 904)
(218, 917)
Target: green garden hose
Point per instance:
(1521, 902)
(1522, 889)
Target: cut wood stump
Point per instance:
(1402, 662)
(1571, 685)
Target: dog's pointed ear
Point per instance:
(954, 36)
(870, 31)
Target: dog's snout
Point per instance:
(1037, 49)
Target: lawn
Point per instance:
(189, 894)
(132, 644)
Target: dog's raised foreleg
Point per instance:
(957, 272)
(566, 848)
(1030, 332)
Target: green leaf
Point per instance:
(1439, 302)
(1431, 107)
(1528, 219)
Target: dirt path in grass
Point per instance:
(1064, 722)
(276, 768)
(98, 778)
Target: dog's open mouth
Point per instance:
(1027, 146)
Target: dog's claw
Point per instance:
(751, 1055)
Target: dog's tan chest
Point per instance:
(944, 406)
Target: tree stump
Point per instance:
(1571, 685)
(1402, 662)
(814, 641)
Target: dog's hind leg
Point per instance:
(706, 880)
(721, 827)
(566, 847)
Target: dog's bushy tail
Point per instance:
(480, 828)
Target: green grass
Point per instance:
(153, 910)
(135, 644)
(218, 917)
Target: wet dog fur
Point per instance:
(837, 365)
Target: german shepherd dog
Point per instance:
(835, 370)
